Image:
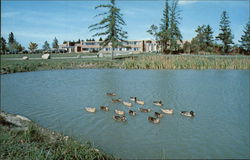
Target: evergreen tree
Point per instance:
(11, 38)
(32, 46)
(112, 23)
(209, 39)
(55, 44)
(12, 43)
(225, 36)
(203, 41)
(245, 38)
(175, 34)
(46, 46)
(169, 34)
(100, 39)
(164, 35)
(3, 46)
(200, 38)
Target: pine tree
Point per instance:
(164, 36)
(32, 46)
(11, 38)
(55, 44)
(112, 23)
(12, 43)
(3, 46)
(245, 38)
(100, 39)
(209, 39)
(175, 34)
(169, 33)
(203, 41)
(225, 36)
(46, 46)
(200, 38)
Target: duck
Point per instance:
(120, 118)
(90, 109)
(116, 100)
(128, 104)
(104, 108)
(110, 94)
(140, 102)
(133, 98)
(158, 103)
(188, 113)
(132, 113)
(167, 111)
(153, 120)
(120, 112)
(158, 115)
(144, 110)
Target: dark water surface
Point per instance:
(220, 98)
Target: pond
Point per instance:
(220, 98)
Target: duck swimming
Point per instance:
(133, 98)
(104, 108)
(158, 115)
(132, 113)
(120, 118)
(145, 110)
(90, 109)
(140, 102)
(110, 94)
(128, 104)
(120, 112)
(187, 113)
(158, 103)
(153, 120)
(116, 100)
(167, 111)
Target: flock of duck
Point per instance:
(120, 114)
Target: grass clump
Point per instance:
(38, 143)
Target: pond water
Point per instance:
(220, 98)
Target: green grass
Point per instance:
(39, 55)
(13, 66)
(34, 144)
(135, 61)
(187, 62)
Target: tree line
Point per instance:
(167, 34)
(13, 47)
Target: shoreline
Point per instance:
(18, 133)
(143, 61)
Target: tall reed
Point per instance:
(187, 62)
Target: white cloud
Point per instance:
(185, 2)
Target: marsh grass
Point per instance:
(139, 61)
(35, 143)
(187, 62)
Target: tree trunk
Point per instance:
(112, 53)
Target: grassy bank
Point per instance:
(141, 61)
(13, 66)
(35, 142)
(187, 62)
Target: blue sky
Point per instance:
(38, 21)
